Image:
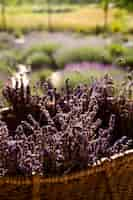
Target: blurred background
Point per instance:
(57, 39)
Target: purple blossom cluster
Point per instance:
(88, 66)
(60, 132)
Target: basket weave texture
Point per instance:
(110, 180)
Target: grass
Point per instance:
(81, 19)
(85, 76)
(40, 75)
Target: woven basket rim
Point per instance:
(109, 166)
(104, 165)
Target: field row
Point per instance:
(84, 19)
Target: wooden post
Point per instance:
(36, 187)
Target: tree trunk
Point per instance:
(49, 16)
(3, 15)
(106, 13)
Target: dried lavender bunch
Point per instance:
(63, 131)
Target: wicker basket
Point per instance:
(109, 180)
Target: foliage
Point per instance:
(46, 48)
(83, 77)
(41, 75)
(9, 60)
(119, 24)
(116, 50)
(40, 55)
(125, 3)
(82, 54)
(86, 75)
(18, 33)
(126, 60)
(37, 60)
(55, 57)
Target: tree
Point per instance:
(106, 12)
(126, 4)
